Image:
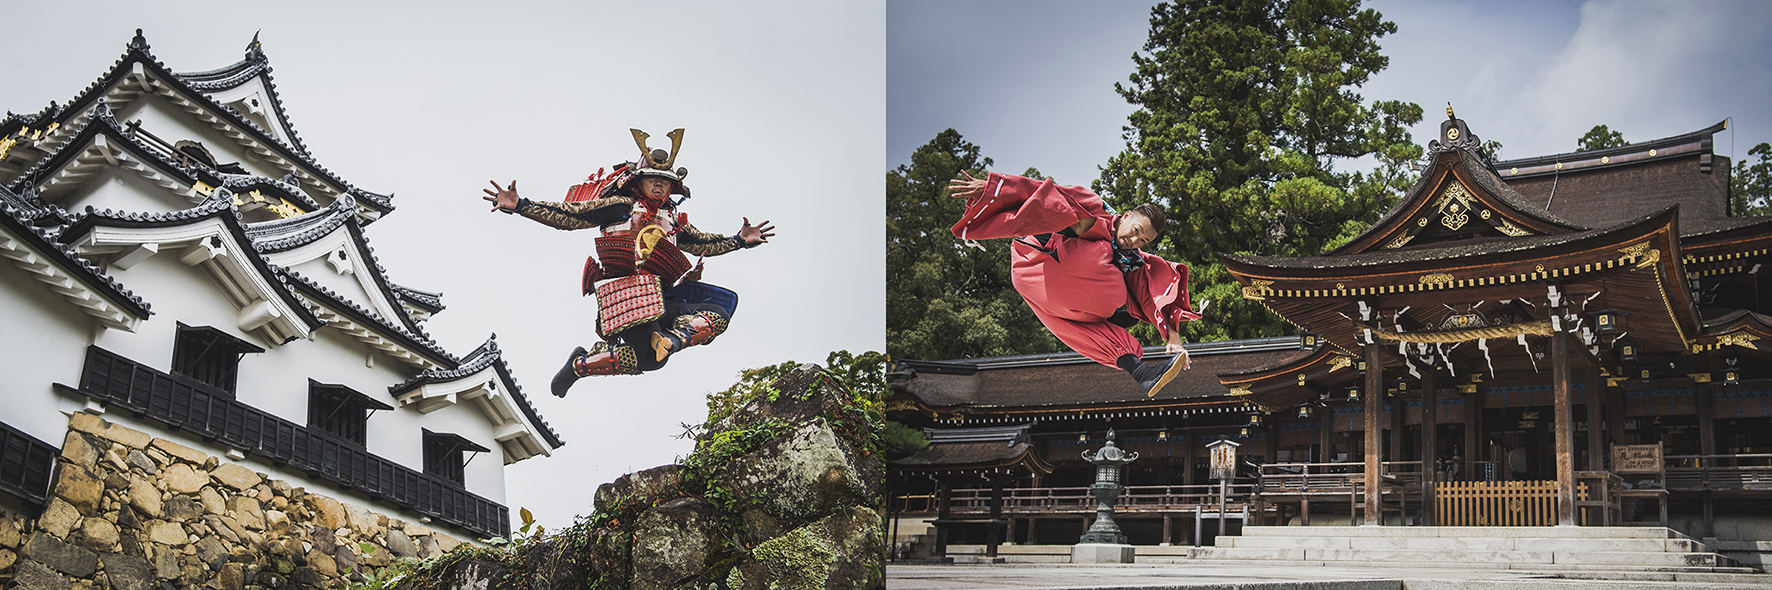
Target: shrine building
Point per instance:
(1568, 340)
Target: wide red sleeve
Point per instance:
(1158, 294)
(1013, 206)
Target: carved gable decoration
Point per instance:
(1456, 213)
(1458, 198)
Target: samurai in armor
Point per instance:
(1079, 267)
(651, 302)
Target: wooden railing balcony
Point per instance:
(1337, 478)
(1078, 500)
(1719, 472)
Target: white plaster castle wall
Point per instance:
(42, 341)
(122, 190)
(276, 381)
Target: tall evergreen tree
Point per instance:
(1599, 138)
(1751, 183)
(1245, 108)
(944, 299)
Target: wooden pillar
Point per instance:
(1707, 447)
(1707, 425)
(1304, 511)
(1168, 522)
(1430, 419)
(994, 531)
(1473, 434)
(1596, 448)
(944, 496)
(1565, 443)
(1325, 436)
(1614, 398)
(1033, 531)
(1374, 450)
(1187, 451)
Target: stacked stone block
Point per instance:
(129, 511)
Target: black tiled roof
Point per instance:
(242, 183)
(219, 205)
(138, 52)
(101, 122)
(278, 235)
(1063, 379)
(1458, 250)
(426, 300)
(416, 341)
(18, 222)
(487, 355)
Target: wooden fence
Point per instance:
(1511, 503)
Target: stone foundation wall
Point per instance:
(129, 511)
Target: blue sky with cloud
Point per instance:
(1031, 83)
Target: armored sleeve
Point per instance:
(702, 243)
(577, 214)
(1014, 206)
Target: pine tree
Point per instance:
(1245, 109)
(944, 299)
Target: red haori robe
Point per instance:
(1071, 283)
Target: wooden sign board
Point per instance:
(1636, 458)
(1224, 459)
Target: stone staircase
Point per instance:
(1529, 548)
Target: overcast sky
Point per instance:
(1031, 82)
(783, 105)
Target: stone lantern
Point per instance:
(1104, 542)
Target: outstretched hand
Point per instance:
(966, 189)
(758, 234)
(502, 198)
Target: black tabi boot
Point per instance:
(568, 374)
(1151, 376)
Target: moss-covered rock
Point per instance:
(655, 483)
(674, 543)
(839, 552)
(805, 475)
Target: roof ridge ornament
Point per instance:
(254, 50)
(139, 43)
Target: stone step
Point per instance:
(1469, 557)
(1465, 532)
(1466, 544)
(1207, 556)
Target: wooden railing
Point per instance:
(1338, 478)
(1719, 472)
(1077, 499)
(1512, 503)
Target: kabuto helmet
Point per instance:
(656, 163)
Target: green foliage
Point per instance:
(898, 440)
(947, 300)
(1600, 138)
(1750, 184)
(1245, 107)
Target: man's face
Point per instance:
(656, 188)
(1134, 232)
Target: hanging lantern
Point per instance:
(1402, 384)
(1608, 321)
(1353, 393)
(1084, 437)
(1307, 411)
(1360, 365)
(1244, 432)
(1254, 420)
(1162, 435)
(1733, 375)
(1627, 351)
